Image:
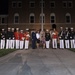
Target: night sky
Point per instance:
(3, 6)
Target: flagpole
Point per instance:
(42, 15)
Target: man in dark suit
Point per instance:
(33, 39)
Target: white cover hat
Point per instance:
(3, 29)
(47, 30)
(27, 28)
(71, 27)
(17, 28)
(9, 28)
(66, 27)
(12, 28)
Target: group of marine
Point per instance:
(15, 38)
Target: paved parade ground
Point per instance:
(38, 62)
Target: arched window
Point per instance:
(52, 18)
(32, 18)
(16, 18)
(68, 18)
(41, 18)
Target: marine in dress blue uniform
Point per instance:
(61, 38)
(8, 39)
(3, 37)
(12, 39)
(72, 36)
(67, 37)
(47, 38)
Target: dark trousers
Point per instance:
(33, 44)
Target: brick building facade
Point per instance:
(27, 13)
